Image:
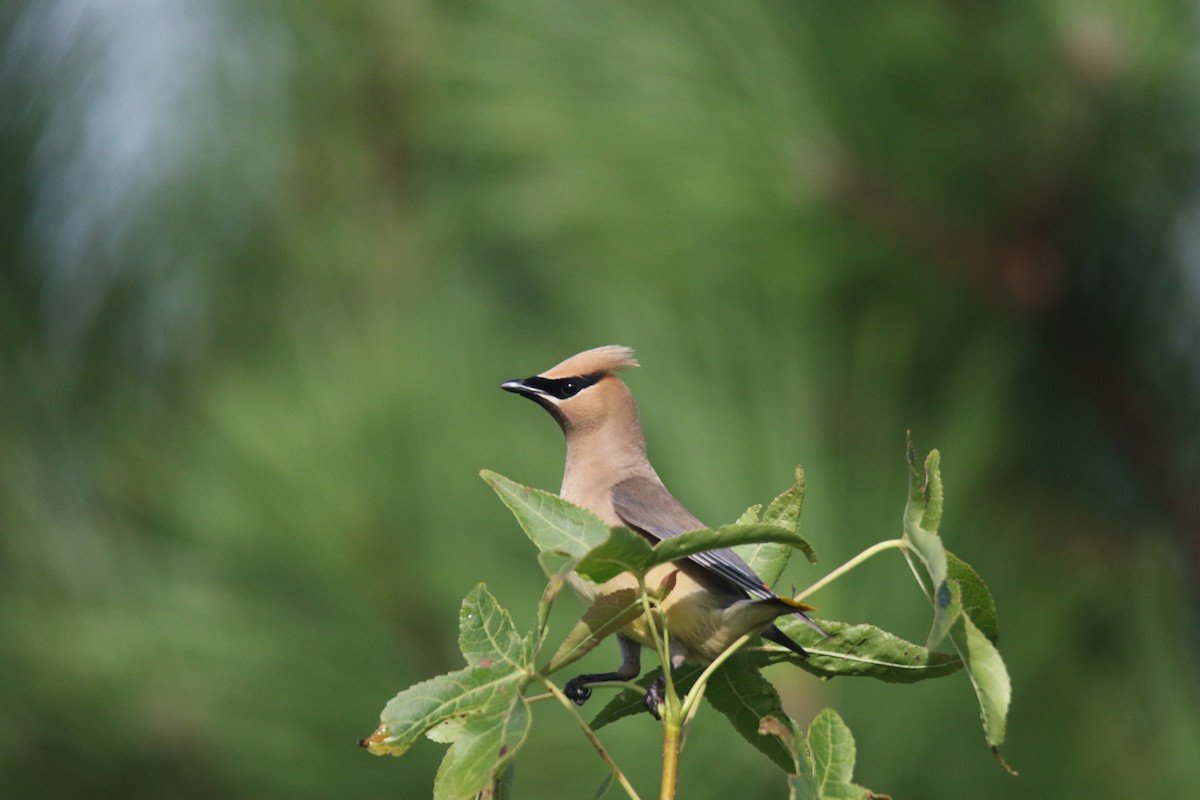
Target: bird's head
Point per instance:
(583, 393)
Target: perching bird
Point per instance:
(717, 597)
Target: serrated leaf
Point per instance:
(922, 539)
(551, 523)
(923, 544)
(485, 745)
(931, 519)
(822, 761)
(862, 651)
(750, 515)
(739, 691)
(953, 595)
(832, 751)
(785, 509)
(622, 551)
(486, 632)
(457, 695)
(628, 702)
(699, 541)
(444, 706)
(976, 598)
(989, 676)
(769, 559)
(608, 614)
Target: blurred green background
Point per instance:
(264, 265)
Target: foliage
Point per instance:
(483, 713)
(264, 264)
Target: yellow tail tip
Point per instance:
(796, 604)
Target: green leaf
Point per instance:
(768, 559)
(553, 524)
(739, 691)
(750, 515)
(833, 752)
(785, 509)
(699, 541)
(445, 700)
(479, 709)
(977, 602)
(486, 745)
(831, 749)
(963, 607)
(861, 651)
(791, 738)
(622, 551)
(486, 632)
(506, 782)
(607, 615)
(628, 702)
(989, 676)
(923, 543)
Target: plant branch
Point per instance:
(672, 744)
(573, 710)
(874, 549)
(661, 644)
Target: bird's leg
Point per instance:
(654, 695)
(631, 664)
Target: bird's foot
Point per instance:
(654, 696)
(578, 690)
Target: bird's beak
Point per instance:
(520, 387)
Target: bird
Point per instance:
(714, 597)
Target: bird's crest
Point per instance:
(607, 359)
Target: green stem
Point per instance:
(692, 701)
(671, 712)
(661, 642)
(917, 574)
(591, 736)
(672, 744)
(874, 549)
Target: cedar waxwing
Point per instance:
(716, 597)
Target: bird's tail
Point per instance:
(773, 634)
(782, 606)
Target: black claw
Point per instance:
(577, 690)
(654, 696)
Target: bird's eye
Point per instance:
(569, 387)
(561, 388)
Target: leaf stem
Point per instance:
(573, 710)
(874, 549)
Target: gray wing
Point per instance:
(645, 504)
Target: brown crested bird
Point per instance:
(716, 597)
